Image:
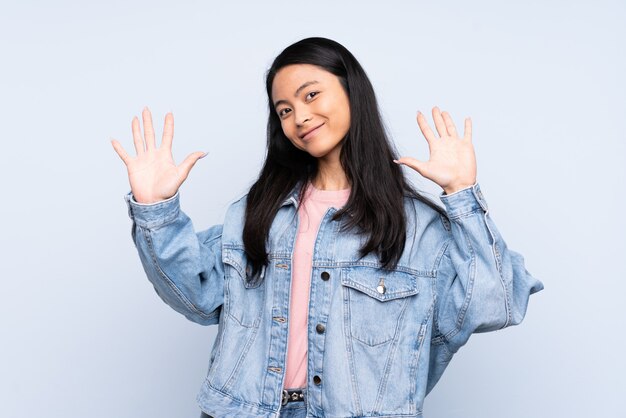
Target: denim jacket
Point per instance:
(378, 340)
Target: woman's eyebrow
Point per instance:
(298, 90)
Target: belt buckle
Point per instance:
(294, 396)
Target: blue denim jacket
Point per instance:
(378, 340)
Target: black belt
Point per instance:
(292, 395)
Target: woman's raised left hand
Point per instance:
(452, 162)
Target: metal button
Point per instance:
(317, 380)
(320, 328)
(325, 275)
(381, 286)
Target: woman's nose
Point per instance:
(302, 117)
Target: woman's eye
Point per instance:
(283, 112)
(312, 94)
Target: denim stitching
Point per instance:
(350, 349)
(394, 348)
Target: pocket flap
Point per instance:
(237, 259)
(381, 284)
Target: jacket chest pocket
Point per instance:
(244, 293)
(375, 301)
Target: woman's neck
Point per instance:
(330, 184)
(330, 176)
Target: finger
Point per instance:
(417, 165)
(137, 139)
(120, 151)
(189, 162)
(148, 130)
(449, 124)
(439, 123)
(168, 131)
(426, 131)
(468, 129)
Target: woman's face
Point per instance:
(313, 108)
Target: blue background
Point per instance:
(83, 332)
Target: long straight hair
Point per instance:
(376, 204)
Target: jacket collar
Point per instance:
(293, 196)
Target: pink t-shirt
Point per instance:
(315, 204)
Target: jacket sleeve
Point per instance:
(184, 267)
(481, 284)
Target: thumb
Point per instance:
(190, 161)
(417, 165)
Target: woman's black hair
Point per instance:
(376, 204)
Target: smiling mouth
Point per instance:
(309, 133)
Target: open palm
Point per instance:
(452, 161)
(153, 175)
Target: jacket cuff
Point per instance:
(464, 201)
(150, 215)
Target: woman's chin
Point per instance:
(316, 152)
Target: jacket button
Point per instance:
(317, 380)
(320, 328)
(325, 275)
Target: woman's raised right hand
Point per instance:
(152, 174)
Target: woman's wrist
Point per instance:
(456, 188)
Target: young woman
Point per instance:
(338, 289)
